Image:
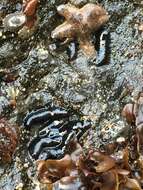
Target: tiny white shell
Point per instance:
(14, 21)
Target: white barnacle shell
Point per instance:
(14, 21)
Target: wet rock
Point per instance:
(11, 53)
(99, 93)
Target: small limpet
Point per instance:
(14, 21)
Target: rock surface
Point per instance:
(46, 76)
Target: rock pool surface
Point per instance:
(32, 74)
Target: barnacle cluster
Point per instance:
(8, 140)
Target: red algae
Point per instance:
(8, 141)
